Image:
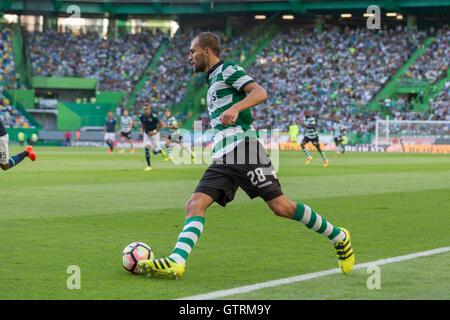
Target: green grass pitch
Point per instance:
(82, 206)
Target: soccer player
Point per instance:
(293, 132)
(338, 133)
(150, 125)
(311, 135)
(239, 160)
(7, 162)
(126, 124)
(171, 123)
(109, 131)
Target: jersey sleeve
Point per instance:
(235, 76)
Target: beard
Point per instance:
(200, 65)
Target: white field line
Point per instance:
(308, 276)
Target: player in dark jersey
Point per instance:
(110, 131)
(7, 162)
(311, 135)
(150, 125)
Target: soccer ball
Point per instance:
(133, 253)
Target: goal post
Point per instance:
(403, 135)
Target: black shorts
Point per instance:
(126, 135)
(248, 166)
(314, 141)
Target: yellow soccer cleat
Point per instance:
(148, 169)
(193, 158)
(162, 268)
(308, 160)
(168, 159)
(325, 163)
(344, 251)
(122, 151)
(163, 153)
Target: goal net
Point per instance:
(413, 135)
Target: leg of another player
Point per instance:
(322, 154)
(167, 149)
(147, 158)
(16, 159)
(131, 145)
(338, 147)
(122, 140)
(110, 145)
(308, 157)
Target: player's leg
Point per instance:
(174, 265)
(122, 140)
(147, 156)
(338, 148)
(322, 154)
(304, 142)
(130, 141)
(340, 237)
(188, 150)
(155, 142)
(7, 162)
(167, 148)
(109, 142)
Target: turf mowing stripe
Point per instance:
(308, 276)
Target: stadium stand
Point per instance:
(7, 69)
(118, 63)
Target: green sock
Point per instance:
(192, 230)
(314, 221)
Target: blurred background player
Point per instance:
(7, 162)
(171, 123)
(311, 135)
(150, 125)
(338, 133)
(110, 131)
(126, 124)
(293, 132)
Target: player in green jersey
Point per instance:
(239, 160)
(311, 135)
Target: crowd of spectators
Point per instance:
(118, 63)
(336, 72)
(167, 83)
(433, 64)
(10, 116)
(7, 69)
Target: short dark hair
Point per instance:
(209, 40)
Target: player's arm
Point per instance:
(255, 95)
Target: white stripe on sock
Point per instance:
(318, 223)
(177, 258)
(306, 215)
(190, 235)
(184, 246)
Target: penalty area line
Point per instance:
(308, 276)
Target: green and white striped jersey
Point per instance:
(310, 127)
(225, 83)
(171, 121)
(125, 123)
(338, 129)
